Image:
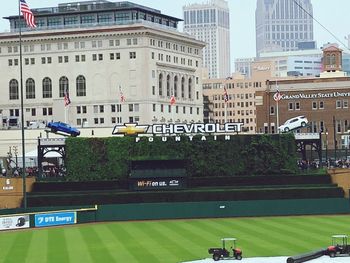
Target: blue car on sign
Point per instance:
(63, 127)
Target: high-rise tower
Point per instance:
(210, 23)
(282, 25)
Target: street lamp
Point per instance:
(326, 147)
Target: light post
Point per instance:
(326, 147)
(15, 151)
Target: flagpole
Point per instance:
(277, 109)
(22, 108)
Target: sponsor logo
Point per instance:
(130, 129)
(177, 128)
(14, 222)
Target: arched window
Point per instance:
(30, 89)
(332, 62)
(13, 85)
(160, 84)
(63, 86)
(175, 86)
(47, 88)
(81, 86)
(168, 86)
(182, 87)
(190, 88)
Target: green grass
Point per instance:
(170, 240)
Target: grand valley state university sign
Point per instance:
(319, 95)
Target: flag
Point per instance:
(27, 14)
(225, 95)
(277, 96)
(122, 97)
(172, 100)
(66, 98)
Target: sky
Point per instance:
(242, 19)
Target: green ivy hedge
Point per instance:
(109, 158)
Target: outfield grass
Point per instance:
(170, 240)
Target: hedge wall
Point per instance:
(109, 158)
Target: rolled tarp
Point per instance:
(307, 256)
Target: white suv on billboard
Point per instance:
(293, 123)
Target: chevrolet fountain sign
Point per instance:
(178, 129)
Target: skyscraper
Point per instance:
(210, 23)
(281, 24)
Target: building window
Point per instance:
(345, 104)
(338, 104)
(272, 110)
(30, 89)
(175, 86)
(13, 86)
(314, 105)
(182, 87)
(321, 105)
(132, 55)
(297, 105)
(160, 84)
(154, 107)
(168, 85)
(47, 88)
(81, 86)
(190, 88)
(63, 86)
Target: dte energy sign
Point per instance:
(55, 219)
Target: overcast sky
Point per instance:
(334, 15)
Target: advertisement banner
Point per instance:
(14, 222)
(55, 219)
(157, 183)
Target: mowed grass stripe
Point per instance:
(314, 234)
(19, 247)
(78, 250)
(57, 246)
(6, 242)
(185, 238)
(38, 247)
(216, 228)
(133, 244)
(253, 240)
(296, 240)
(113, 244)
(167, 250)
(332, 222)
(96, 246)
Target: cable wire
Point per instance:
(330, 32)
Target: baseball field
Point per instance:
(170, 240)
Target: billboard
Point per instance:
(55, 219)
(14, 222)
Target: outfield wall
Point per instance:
(220, 209)
(155, 211)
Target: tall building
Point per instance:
(281, 25)
(210, 23)
(96, 51)
(240, 104)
